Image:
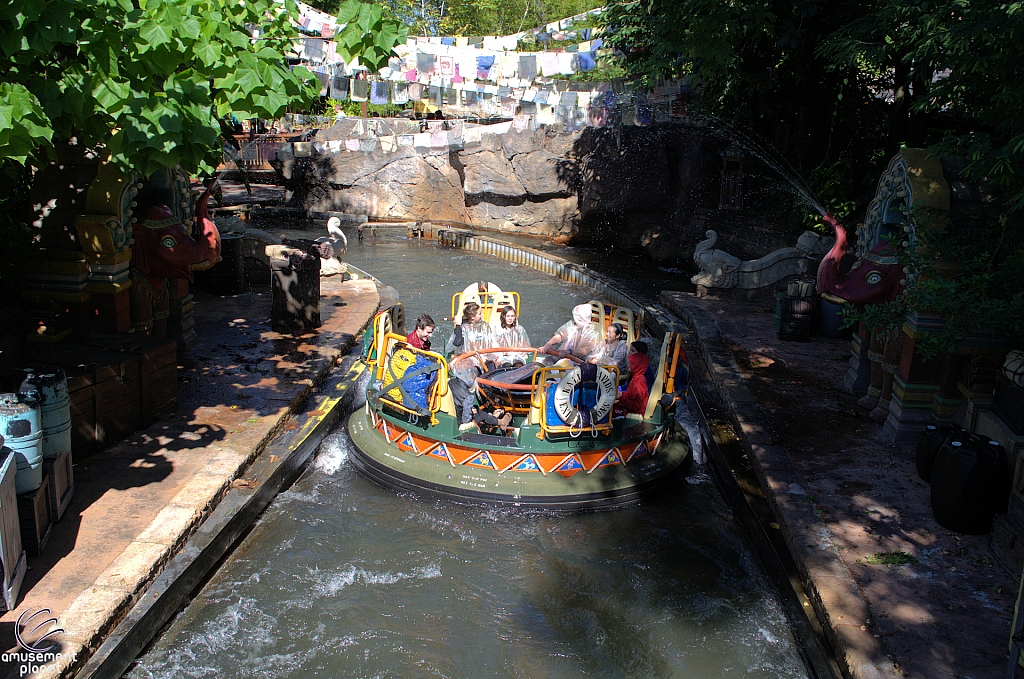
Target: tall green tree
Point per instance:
(857, 79)
(960, 62)
(150, 79)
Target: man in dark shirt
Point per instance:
(420, 336)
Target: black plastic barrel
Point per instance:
(928, 444)
(1003, 471)
(967, 482)
(228, 276)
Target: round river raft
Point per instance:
(558, 445)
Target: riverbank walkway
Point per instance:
(137, 502)
(843, 497)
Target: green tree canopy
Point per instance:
(149, 79)
(854, 80)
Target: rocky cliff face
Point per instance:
(636, 188)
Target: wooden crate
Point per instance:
(112, 312)
(12, 556)
(34, 518)
(106, 393)
(62, 483)
(158, 371)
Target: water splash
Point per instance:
(757, 146)
(333, 455)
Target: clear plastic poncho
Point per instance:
(513, 337)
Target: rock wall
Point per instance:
(653, 189)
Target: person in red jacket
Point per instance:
(420, 336)
(634, 400)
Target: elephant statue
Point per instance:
(874, 278)
(164, 248)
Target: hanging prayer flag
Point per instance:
(528, 67)
(378, 93)
(400, 93)
(424, 62)
(446, 67)
(339, 88)
(483, 65)
(508, 107)
(359, 89)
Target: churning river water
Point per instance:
(342, 578)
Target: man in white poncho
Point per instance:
(577, 337)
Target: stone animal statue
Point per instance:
(718, 268)
(331, 248)
(164, 248)
(873, 278)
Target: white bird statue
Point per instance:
(332, 247)
(338, 240)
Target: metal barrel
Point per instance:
(50, 383)
(20, 427)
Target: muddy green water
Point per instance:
(341, 578)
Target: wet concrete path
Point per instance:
(855, 495)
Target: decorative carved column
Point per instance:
(914, 385)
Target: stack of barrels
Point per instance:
(36, 424)
(797, 310)
(969, 476)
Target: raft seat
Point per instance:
(499, 302)
(628, 320)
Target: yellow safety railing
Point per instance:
(437, 391)
(544, 378)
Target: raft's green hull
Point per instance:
(607, 486)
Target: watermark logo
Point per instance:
(36, 633)
(35, 630)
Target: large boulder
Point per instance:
(410, 187)
(544, 218)
(541, 173)
(490, 172)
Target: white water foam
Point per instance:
(330, 584)
(333, 454)
(689, 423)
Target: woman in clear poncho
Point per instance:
(577, 337)
(613, 350)
(471, 334)
(511, 334)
